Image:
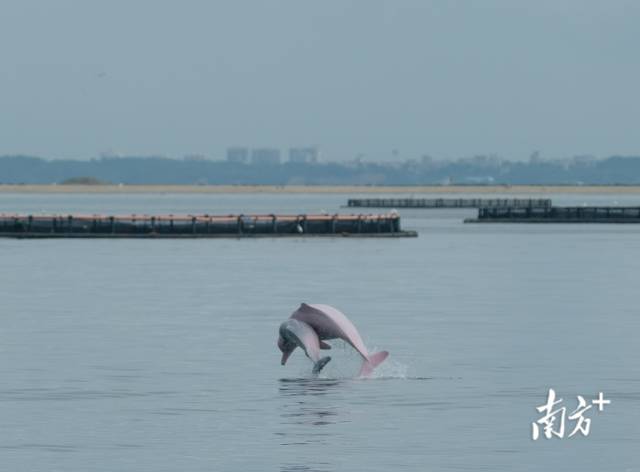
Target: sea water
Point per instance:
(160, 355)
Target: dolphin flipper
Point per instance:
(318, 366)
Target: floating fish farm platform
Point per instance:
(449, 202)
(200, 226)
(558, 214)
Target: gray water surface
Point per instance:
(161, 356)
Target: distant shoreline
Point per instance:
(324, 189)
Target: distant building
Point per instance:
(265, 156)
(109, 154)
(194, 158)
(305, 155)
(238, 155)
(426, 160)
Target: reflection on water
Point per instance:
(309, 409)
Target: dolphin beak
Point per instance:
(285, 356)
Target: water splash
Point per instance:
(345, 364)
(391, 369)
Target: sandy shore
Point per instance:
(350, 189)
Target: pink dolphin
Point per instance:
(294, 333)
(330, 323)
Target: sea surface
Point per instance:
(160, 355)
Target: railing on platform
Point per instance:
(559, 214)
(198, 225)
(449, 202)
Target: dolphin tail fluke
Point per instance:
(374, 361)
(318, 366)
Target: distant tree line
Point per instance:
(622, 170)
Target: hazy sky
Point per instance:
(447, 78)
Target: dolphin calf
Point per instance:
(294, 333)
(329, 323)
